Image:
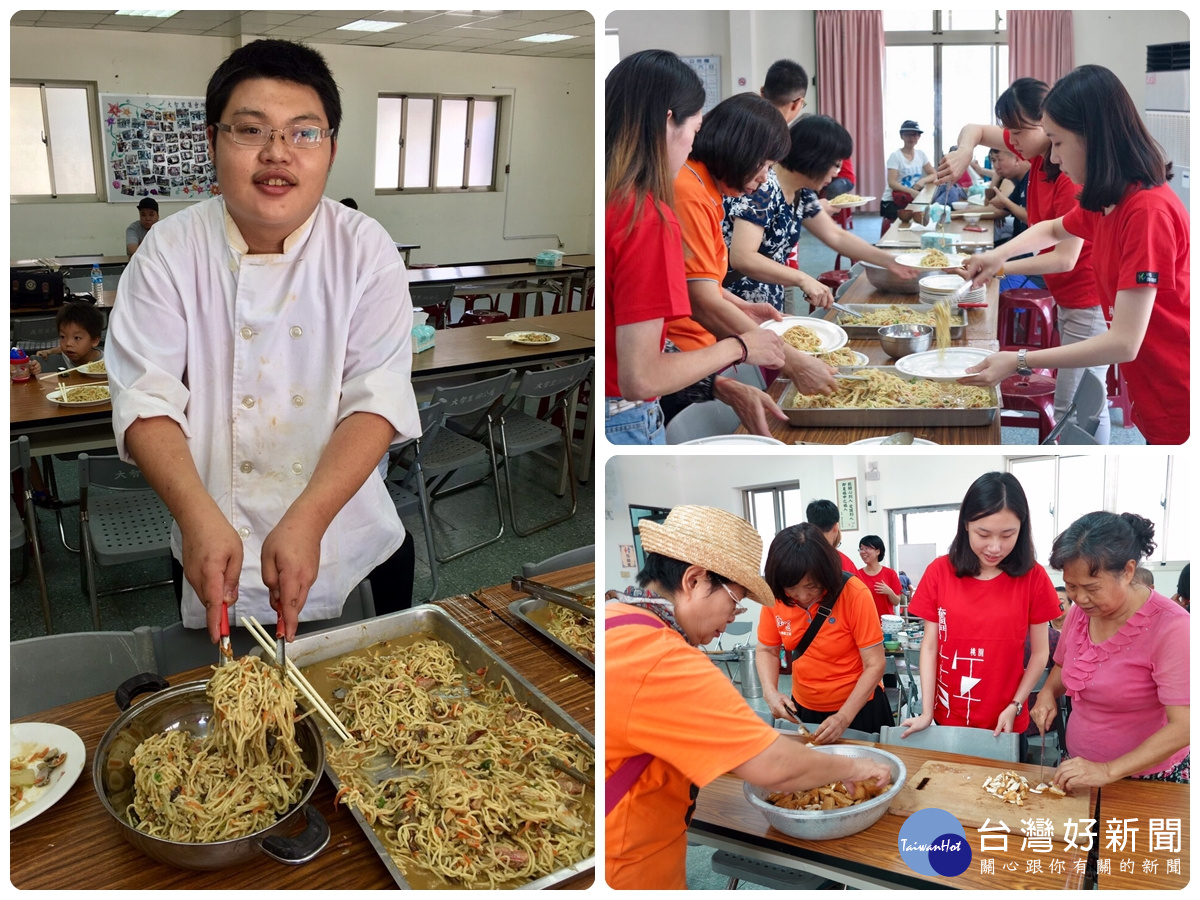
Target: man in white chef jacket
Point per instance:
(259, 358)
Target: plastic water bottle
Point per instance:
(97, 283)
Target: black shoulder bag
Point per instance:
(824, 611)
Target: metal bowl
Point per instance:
(827, 824)
(884, 280)
(901, 340)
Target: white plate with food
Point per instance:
(735, 439)
(932, 365)
(850, 201)
(844, 357)
(882, 438)
(821, 336)
(532, 338)
(30, 745)
(931, 260)
(95, 369)
(81, 395)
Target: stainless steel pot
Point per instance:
(187, 707)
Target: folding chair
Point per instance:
(434, 299)
(33, 333)
(23, 527)
(1086, 406)
(407, 487)
(121, 519)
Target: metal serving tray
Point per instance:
(527, 608)
(886, 418)
(434, 622)
(958, 320)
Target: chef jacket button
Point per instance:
(297, 400)
(244, 532)
(247, 467)
(297, 468)
(248, 402)
(296, 331)
(247, 332)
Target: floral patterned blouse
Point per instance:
(780, 222)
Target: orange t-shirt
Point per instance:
(825, 675)
(700, 210)
(649, 676)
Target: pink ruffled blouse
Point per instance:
(1119, 688)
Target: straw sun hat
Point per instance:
(715, 539)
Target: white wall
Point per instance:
(1117, 39)
(551, 190)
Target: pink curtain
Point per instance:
(1041, 44)
(850, 80)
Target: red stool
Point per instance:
(1026, 319)
(1033, 393)
(479, 317)
(1118, 395)
(845, 218)
(834, 278)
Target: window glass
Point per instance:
(908, 94)
(483, 143)
(967, 89)
(908, 20)
(970, 20)
(793, 512)
(452, 136)
(70, 127)
(388, 112)
(418, 148)
(1142, 489)
(28, 169)
(935, 527)
(1037, 478)
(1080, 488)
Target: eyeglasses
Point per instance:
(803, 102)
(256, 134)
(738, 609)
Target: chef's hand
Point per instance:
(291, 555)
(870, 771)
(754, 408)
(212, 562)
(1043, 713)
(1004, 724)
(916, 723)
(762, 312)
(781, 707)
(763, 347)
(831, 729)
(809, 374)
(953, 164)
(818, 294)
(992, 370)
(1078, 772)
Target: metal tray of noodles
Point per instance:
(958, 320)
(854, 417)
(535, 612)
(433, 622)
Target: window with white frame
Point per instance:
(435, 142)
(53, 141)
(772, 508)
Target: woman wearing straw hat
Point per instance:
(673, 721)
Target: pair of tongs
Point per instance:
(225, 654)
(552, 595)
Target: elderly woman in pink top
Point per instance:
(1122, 659)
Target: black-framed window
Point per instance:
(436, 142)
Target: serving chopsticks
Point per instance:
(323, 709)
(57, 372)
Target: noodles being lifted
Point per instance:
(239, 779)
(885, 391)
(941, 328)
(480, 804)
(802, 338)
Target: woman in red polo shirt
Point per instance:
(1051, 194)
(1141, 238)
(652, 113)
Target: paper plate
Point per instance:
(882, 438)
(913, 261)
(832, 336)
(862, 201)
(87, 373)
(532, 338)
(930, 366)
(57, 398)
(735, 439)
(860, 359)
(27, 737)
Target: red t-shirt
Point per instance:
(888, 577)
(1047, 200)
(846, 171)
(981, 639)
(643, 275)
(847, 562)
(1145, 242)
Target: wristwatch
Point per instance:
(1023, 369)
(1019, 705)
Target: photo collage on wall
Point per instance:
(156, 147)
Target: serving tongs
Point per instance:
(552, 595)
(280, 647)
(854, 312)
(225, 653)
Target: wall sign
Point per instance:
(847, 494)
(709, 70)
(155, 147)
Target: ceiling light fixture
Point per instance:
(370, 25)
(548, 38)
(148, 13)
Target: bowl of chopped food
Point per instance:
(901, 340)
(830, 811)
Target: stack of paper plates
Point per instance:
(934, 287)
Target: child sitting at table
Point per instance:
(79, 329)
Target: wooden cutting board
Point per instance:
(957, 788)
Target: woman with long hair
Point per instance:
(979, 603)
(1049, 194)
(1123, 657)
(652, 113)
(1140, 233)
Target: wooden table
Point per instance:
(58, 429)
(1145, 866)
(468, 349)
(871, 858)
(501, 274)
(980, 332)
(76, 845)
(406, 250)
(902, 237)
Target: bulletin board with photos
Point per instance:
(155, 147)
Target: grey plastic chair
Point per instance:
(701, 420)
(955, 739)
(1079, 423)
(521, 433)
(49, 671)
(910, 684)
(769, 875)
(33, 333)
(457, 445)
(406, 485)
(578, 557)
(121, 520)
(24, 530)
(433, 296)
